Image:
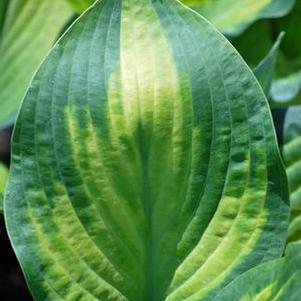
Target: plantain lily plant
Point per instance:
(145, 165)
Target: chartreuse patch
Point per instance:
(276, 280)
(145, 165)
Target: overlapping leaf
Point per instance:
(230, 16)
(145, 165)
(286, 90)
(265, 70)
(30, 27)
(286, 87)
(292, 158)
(277, 280)
(234, 16)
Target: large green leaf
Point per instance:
(234, 16)
(3, 178)
(145, 164)
(29, 30)
(292, 158)
(277, 280)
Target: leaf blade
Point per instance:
(94, 150)
(274, 280)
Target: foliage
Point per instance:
(132, 179)
(28, 29)
(145, 165)
(275, 280)
(265, 70)
(232, 17)
(286, 88)
(292, 157)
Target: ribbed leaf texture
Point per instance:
(145, 164)
(276, 280)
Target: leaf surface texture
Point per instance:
(145, 164)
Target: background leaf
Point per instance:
(275, 280)
(292, 158)
(136, 167)
(286, 87)
(231, 17)
(266, 68)
(3, 178)
(3, 7)
(234, 16)
(286, 90)
(29, 30)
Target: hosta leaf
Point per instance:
(3, 177)
(29, 30)
(275, 280)
(234, 16)
(292, 158)
(145, 164)
(265, 70)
